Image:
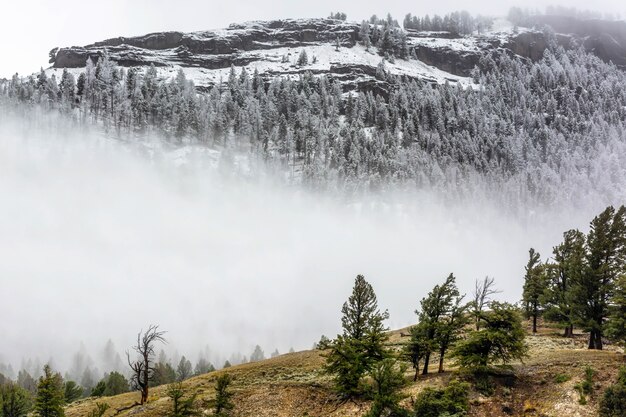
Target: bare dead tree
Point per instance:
(483, 290)
(143, 370)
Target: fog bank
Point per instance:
(100, 238)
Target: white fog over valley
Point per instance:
(227, 171)
(101, 237)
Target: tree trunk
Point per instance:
(569, 331)
(426, 360)
(598, 340)
(441, 362)
(534, 323)
(591, 344)
(417, 371)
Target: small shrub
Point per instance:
(587, 384)
(561, 378)
(483, 384)
(451, 400)
(181, 406)
(98, 390)
(529, 407)
(99, 411)
(223, 396)
(388, 378)
(585, 387)
(613, 401)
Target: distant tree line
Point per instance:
(524, 16)
(338, 16)
(458, 23)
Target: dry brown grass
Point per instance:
(293, 385)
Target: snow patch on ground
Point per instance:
(325, 56)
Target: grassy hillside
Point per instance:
(293, 385)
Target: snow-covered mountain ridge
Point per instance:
(272, 48)
(333, 48)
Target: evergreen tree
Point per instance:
(440, 319)
(203, 366)
(452, 323)
(361, 317)
(303, 59)
(223, 396)
(364, 35)
(415, 349)
(15, 401)
(257, 354)
(99, 389)
(500, 340)
(534, 286)
(605, 262)
(50, 394)
(181, 406)
(184, 370)
(72, 391)
(562, 274)
(24, 380)
(616, 325)
(115, 384)
(164, 374)
(87, 380)
(352, 354)
(388, 378)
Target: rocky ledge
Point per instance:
(272, 48)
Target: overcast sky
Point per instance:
(30, 29)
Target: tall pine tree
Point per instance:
(605, 263)
(534, 286)
(50, 394)
(352, 354)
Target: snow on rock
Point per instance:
(272, 48)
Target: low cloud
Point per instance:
(100, 237)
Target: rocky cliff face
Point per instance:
(273, 47)
(212, 49)
(606, 39)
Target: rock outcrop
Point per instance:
(604, 38)
(272, 47)
(211, 49)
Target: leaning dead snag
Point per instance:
(143, 370)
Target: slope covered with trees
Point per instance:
(549, 131)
